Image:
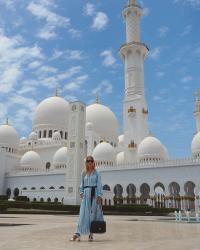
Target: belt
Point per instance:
(92, 192)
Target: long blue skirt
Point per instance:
(88, 213)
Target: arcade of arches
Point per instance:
(159, 196)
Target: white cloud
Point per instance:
(163, 30)
(109, 59)
(27, 89)
(42, 11)
(14, 58)
(68, 54)
(34, 64)
(160, 74)
(155, 53)
(145, 12)
(76, 84)
(156, 98)
(186, 79)
(29, 103)
(192, 3)
(100, 21)
(89, 9)
(105, 87)
(187, 30)
(75, 33)
(69, 73)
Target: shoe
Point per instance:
(90, 238)
(75, 237)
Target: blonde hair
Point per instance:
(85, 169)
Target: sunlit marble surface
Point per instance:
(52, 232)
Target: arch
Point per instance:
(174, 189)
(61, 134)
(159, 188)
(48, 165)
(49, 199)
(41, 199)
(190, 195)
(24, 188)
(118, 190)
(52, 187)
(106, 187)
(50, 134)
(56, 200)
(144, 190)
(34, 199)
(131, 190)
(33, 188)
(8, 192)
(44, 134)
(16, 192)
(61, 187)
(42, 188)
(189, 188)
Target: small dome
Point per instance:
(104, 152)
(195, 146)
(120, 158)
(60, 157)
(9, 136)
(33, 136)
(151, 148)
(31, 159)
(23, 139)
(52, 111)
(121, 141)
(103, 120)
(56, 136)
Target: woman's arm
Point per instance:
(99, 185)
(82, 186)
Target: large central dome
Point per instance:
(103, 120)
(52, 111)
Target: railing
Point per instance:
(167, 163)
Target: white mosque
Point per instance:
(135, 166)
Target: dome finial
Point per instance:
(97, 98)
(7, 123)
(57, 91)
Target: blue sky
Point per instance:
(74, 44)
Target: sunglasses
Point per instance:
(89, 161)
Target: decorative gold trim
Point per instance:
(131, 110)
(132, 145)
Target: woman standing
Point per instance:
(91, 195)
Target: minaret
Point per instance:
(133, 53)
(197, 110)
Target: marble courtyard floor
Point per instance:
(52, 232)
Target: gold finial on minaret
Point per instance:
(131, 2)
(97, 99)
(196, 94)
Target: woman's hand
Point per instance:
(81, 195)
(99, 200)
